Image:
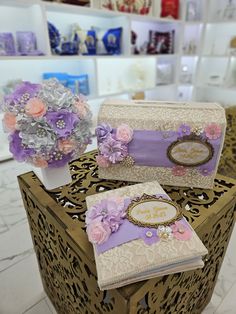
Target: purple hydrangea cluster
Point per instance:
(112, 144)
(48, 125)
(105, 218)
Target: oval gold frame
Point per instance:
(148, 198)
(205, 143)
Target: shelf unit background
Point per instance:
(212, 68)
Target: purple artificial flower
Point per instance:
(59, 160)
(149, 235)
(62, 121)
(19, 152)
(205, 171)
(109, 211)
(103, 131)
(184, 130)
(113, 150)
(22, 93)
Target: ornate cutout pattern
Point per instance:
(56, 221)
(227, 164)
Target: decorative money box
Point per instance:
(174, 143)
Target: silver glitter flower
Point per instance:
(36, 135)
(56, 96)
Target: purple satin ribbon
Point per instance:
(149, 148)
(127, 232)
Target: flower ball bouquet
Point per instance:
(48, 126)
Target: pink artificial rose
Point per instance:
(179, 171)
(98, 232)
(40, 163)
(118, 199)
(102, 161)
(9, 121)
(213, 131)
(66, 146)
(181, 231)
(82, 109)
(124, 133)
(35, 108)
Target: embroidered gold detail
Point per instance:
(153, 212)
(198, 130)
(165, 233)
(128, 162)
(190, 152)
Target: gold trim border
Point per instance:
(205, 143)
(150, 198)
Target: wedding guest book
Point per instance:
(174, 143)
(138, 233)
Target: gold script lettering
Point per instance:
(188, 153)
(155, 212)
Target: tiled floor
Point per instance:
(21, 290)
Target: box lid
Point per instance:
(152, 115)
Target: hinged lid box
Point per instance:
(174, 143)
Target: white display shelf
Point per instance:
(130, 75)
(162, 92)
(224, 95)
(221, 22)
(126, 73)
(81, 10)
(190, 23)
(25, 16)
(33, 16)
(215, 56)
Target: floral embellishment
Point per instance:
(179, 171)
(167, 130)
(184, 130)
(45, 127)
(62, 121)
(124, 133)
(35, 108)
(128, 162)
(149, 235)
(213, 131)
(205, 172)
(198, 130)
(103, 131)
(181, 231)
(102, 161)
(22, 93)
(66, 145)
(9, 121)
(98, 232)
(113, 150)
(20, 151)
(165, 233)
(113, 146)
(110, 211)
(40, 162)
(82, 108)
